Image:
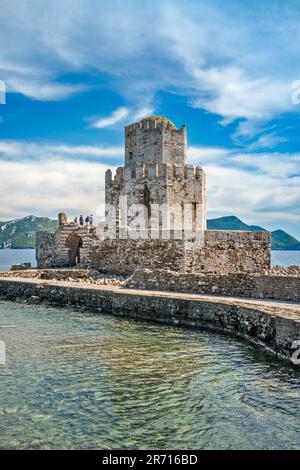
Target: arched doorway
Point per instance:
(74, 243)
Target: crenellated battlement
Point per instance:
(153, 122)
(186, 173)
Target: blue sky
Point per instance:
(77, 73)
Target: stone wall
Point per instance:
(45, 249)
(285, 288)
(275, 330)
(232, 251)
(223, 252)
(125, 256)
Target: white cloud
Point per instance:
(43, 91)
(118, 115)
(44, 179)
(34, 82)
(26, 150)
(46, 187)
(234, 93)
(267, 141)
(86, 150)
(10, 148)
(229, 58)
(122, 116)
(199, 155)
(142, 112)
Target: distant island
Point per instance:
(20, 233)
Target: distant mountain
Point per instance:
(283, 241)
(231, 223)
(280, 239)
(20, 233)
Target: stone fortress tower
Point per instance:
(156, 173)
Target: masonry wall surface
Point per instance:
(223, 252)
(286, 288)
(124, 256)
(232, 251)
(155, 140)
(45, 249)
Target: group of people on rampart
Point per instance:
(88, 220)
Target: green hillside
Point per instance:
(281, 240)
(230, 223)
(20, 233)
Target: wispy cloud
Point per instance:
(122, 115)
(44, 91)
(267, 141)
(234, 59)
(36, 151)
(117, 116)
(57, 184)
(142, 112)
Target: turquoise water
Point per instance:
(9, 257)
(81, 381)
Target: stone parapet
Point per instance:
(285, 288)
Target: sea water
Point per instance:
(74, 380)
